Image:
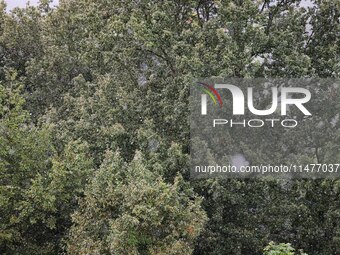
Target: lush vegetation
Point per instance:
(95, 137)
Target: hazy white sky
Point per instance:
(22, 3)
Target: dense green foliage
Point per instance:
(95, 137)
(280, 249)
(129, 210)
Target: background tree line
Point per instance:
(94, 155)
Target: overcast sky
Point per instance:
(22, 3)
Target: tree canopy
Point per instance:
(95, 137)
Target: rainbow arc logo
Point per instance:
(211, 91)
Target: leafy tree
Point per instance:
(38, 186)
(52, 198)
(104, 75)
(280, 249)
(127, 209)
(24, 153)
